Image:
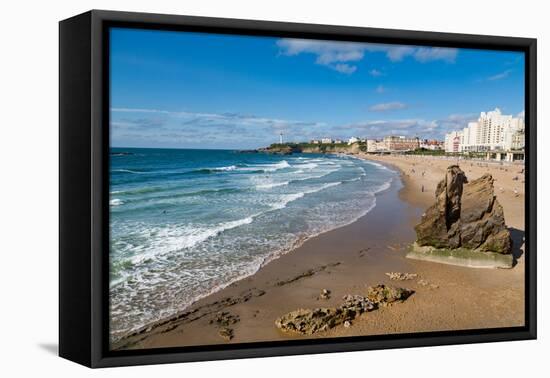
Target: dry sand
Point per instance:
(349, 259)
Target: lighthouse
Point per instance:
(281, 138)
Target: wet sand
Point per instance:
(346, 261)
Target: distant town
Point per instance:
(493, 136)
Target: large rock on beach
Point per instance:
(464, 215)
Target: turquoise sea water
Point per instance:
(185, 223)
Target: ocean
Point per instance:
(185, 223)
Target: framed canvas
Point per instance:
(235, 188)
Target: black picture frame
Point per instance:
(83, 182)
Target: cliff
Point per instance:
(306, 148)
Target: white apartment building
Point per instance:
(326, 141)
(492, 131)
(518, 140)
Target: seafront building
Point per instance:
(493, 132)
(375, 145)
(393, 143)
(452, 141)
(432, 144)
(401, 143)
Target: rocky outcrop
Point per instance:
(465, 215)
(384, 295)
(281, 149)
(308, 148)
(354, 148)
(310, 321)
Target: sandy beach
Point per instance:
(348, 259)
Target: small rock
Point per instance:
(347, 324)
(226, 333)
(383, 295)
(325, 294)
(357, 303)
(397, 276)
(427, 284)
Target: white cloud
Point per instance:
(387, 106)
(375, 73)
(380, 89)
(428, 54)
(182, 128)
(397, 53)
(380, 128)
(423, 128)
(345, 68)
(337, 55)
(500, 76)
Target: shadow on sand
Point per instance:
(518, 239)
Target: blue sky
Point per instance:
(193, 90)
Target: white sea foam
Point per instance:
(168, 239)
(139, 190)
(173, 265)
(129, 171)
(228, 168)
(271, 185)
(383, 187)
(266, 167)
(307, 166)
(325, 173)
(288, 198)
(275, 167)
(116, 202)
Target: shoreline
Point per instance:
(343, 260)
(267, 260)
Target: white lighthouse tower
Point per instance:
(281, 138)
